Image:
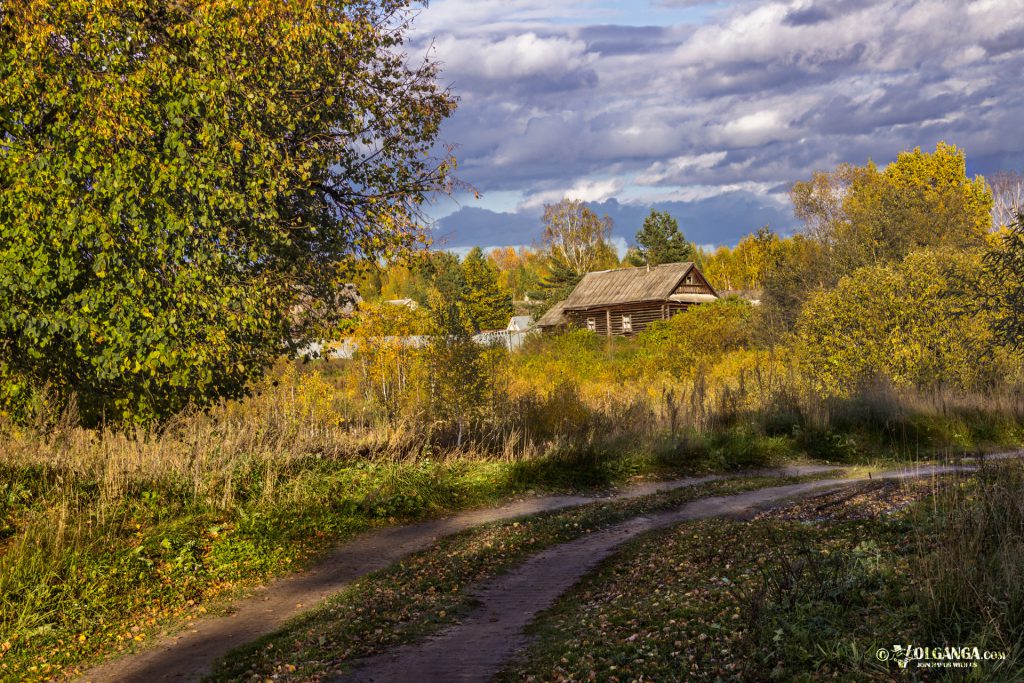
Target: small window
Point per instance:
(627, 323)
(689, 280)
(592, 324)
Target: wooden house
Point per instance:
(554, 319)
(626, 300)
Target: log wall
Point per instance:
(641, 315)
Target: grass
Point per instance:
(969, 550)
(432, 588)
(801, 594)
(108, 537)
(82, 576)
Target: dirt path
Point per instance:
(476, 648)
(189, 655)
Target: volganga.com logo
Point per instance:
(938, 657)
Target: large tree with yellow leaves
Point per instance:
(183, 183)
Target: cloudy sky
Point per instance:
(708, 110)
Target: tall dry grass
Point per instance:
(101, 524)
(967, 564)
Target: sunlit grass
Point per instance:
(109, 536)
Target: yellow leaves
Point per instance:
(151, 145)
(903, 323)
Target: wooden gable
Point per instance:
(694, 282)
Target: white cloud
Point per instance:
(754, 129)
(585, 190)
(696, 193)
(557, 101)
(516, 56)
(475, 16)
(660, 171)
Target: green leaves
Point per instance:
(191, 177)
(1005, 296)
(686, 344)
(660, 241)
(914, 324)
(488, 304)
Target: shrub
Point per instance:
(914, 324)
(696, 337)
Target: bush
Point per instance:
(913, 324)
(696, 337)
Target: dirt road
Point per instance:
(189, 655)
(476, 648)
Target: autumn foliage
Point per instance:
(183, 183)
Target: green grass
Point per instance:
(108, 538)
(773, 599)
(82, 576)
(667, 609)
(432, 588)
(85, 573)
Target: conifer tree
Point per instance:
(488, 304)
(660, 241)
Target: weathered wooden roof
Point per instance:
(627, 285)
(554, 316)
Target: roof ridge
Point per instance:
(660, 265)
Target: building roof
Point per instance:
(408, 303)
(627, 285)
(554, 316)
(519, 323)
(693, 298)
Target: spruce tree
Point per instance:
(660, 241)
(488, 304)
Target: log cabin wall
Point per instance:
(605, 300)
(641, 315)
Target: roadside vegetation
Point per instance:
(175, 235)
(111, 532)
(811, 591)
(432, 589)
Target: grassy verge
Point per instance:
(109, 537)
(806, 593)
(95, 562)
(431, 589)
(83, 574)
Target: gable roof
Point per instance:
(554, 316)
(627, 285)
(519, 323)
(408, 303)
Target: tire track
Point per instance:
(478, 647)
(190, 654)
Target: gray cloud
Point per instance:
(758, 97)
(722, 219)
